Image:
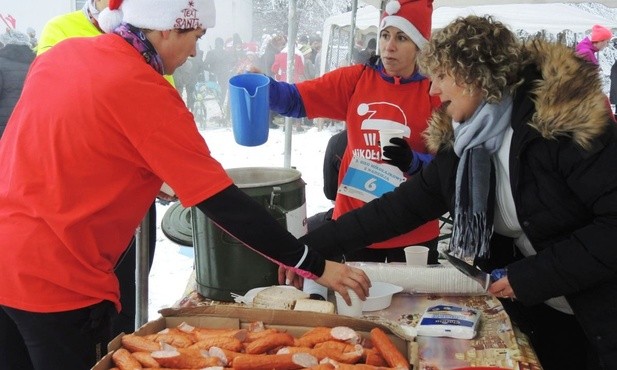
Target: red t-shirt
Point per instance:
(93, 137)
(359, 96)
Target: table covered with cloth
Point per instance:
(498, 342)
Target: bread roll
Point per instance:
(314, 305)
(278, 297)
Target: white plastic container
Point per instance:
(380, 296)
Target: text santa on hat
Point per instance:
(159, 15)
(413, 17)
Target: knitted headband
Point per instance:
(158, 15)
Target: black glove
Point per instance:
(399, 154)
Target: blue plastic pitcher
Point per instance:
(249, 101)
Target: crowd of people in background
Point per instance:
(16, 55)
(206, 75)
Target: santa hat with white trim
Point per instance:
(410, 16)
(160, 15)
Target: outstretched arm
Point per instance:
(248, 221)
(285, 99)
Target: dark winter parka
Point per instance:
(563, 172)
(15, 61)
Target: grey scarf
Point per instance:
(475, 141)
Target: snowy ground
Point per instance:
(173, 264)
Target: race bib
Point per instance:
(366, 180)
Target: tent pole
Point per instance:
(142, 256)
(292, 28)
(352, 41)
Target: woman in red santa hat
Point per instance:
(388, 92)
(81, 167)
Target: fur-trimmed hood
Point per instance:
(568, 98)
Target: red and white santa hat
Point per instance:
(158, 15)
(410, 16)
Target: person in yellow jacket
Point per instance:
(80, 23)
(84, 23)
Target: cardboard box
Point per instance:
(224, 316)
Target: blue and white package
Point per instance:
(449, 321)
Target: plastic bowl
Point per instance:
(380, 296)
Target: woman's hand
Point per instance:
(340, 277)
(502, 289)
(289, 277)
(337, 276)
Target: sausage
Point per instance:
(254, 335)
(135, 343)
(314, 336)
(339, 351)
(203, 333)
(373, 357)
(323, 334)
(291, 361)
(187, 359)
(145, 359)
(124, 360)
(345, 334)
(268, 343)
(228, 343)
(326, 366)
(393, 357)
(172, 336)
(226, 356)
(342, 366)
(287, 350)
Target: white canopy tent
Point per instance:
(466, 3)
(552, 18)
(367, 20)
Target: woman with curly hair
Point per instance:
(525, 161)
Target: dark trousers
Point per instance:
(392, 254)
(50, 341)
(125, 272)
(556, 337)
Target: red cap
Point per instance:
(599, 33)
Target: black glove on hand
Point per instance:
(399, 154)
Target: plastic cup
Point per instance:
(249, 99)
(355, 310)
(384, 138)
(312, 288)
(416, 255)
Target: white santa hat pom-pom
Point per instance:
(393, 7)
(110, 19)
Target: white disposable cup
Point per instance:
(311, 287)
(384, 138)
(355, 310)
(416, 255)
